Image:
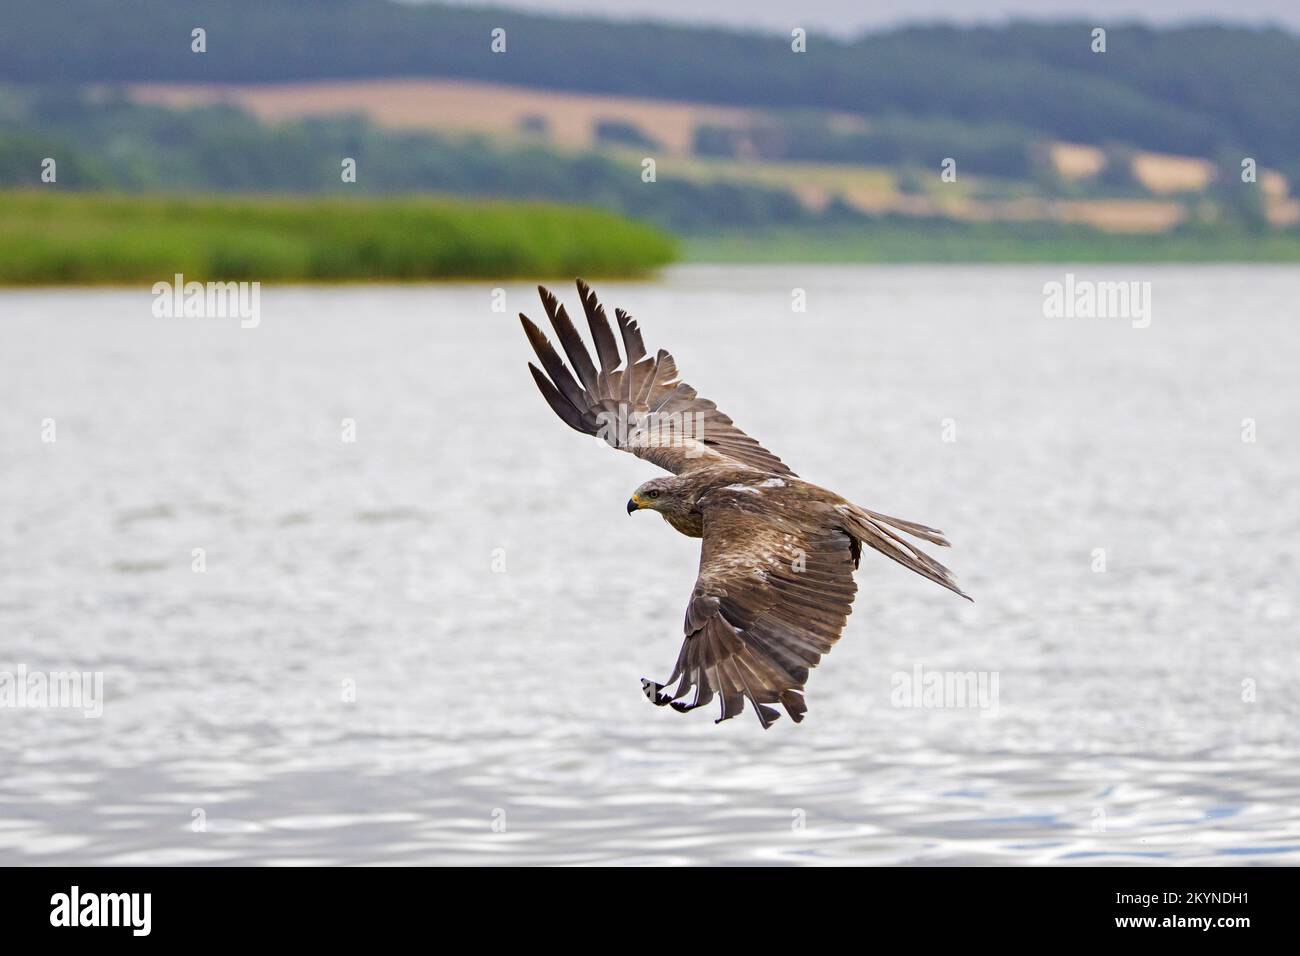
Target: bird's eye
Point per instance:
(652, 494)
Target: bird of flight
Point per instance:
(778, 553)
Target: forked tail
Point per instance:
(872, 529)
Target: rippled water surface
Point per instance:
(467, 567)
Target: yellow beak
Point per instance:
(635, 504)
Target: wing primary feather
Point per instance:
(570, 340)
(567, 413)
(632, 344)
(601, 334)
(643, 393)
(552, 363)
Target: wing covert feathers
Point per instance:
(634, 402)
(771, 598)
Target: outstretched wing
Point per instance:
(637, 406)
(773, 594)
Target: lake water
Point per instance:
(425, 645)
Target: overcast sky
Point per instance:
(848, 17)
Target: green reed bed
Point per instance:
(47, 237)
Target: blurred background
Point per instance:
(1060, 152)
(422, 615)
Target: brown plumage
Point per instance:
(778, 553)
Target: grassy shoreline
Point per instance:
(895, 241)
(53, 238)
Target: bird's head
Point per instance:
(660, 494)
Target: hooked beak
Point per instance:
(633, 504)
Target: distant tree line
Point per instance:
(110, 143)
(103, 141)
(1196, 89)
